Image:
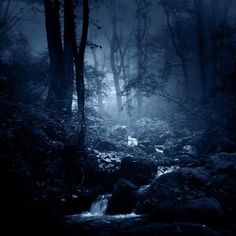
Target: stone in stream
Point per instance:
(181, 193)
(189, 150)
(120, 133)
(123, 199)
(224, 163)
(103, 167)
(199, 208)
(173, 229)
(104, 145)
(139, 171)
(165, 136)
(151, 149)
(171, 148)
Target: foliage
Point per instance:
(95, 84)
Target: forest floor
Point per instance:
(177, 179)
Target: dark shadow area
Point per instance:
(118, 117)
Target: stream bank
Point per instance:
(178, 181)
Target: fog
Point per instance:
(117, 117)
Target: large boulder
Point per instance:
(173, 229)
(189, 150)
(224, 163)
(203, 209)
(120, 133)
(215, 140)
(102, 167)
(104, 145)
(163, 138)
(172, 147)
(123, 199)
(183, 190)
(146, 128)
(151, 150)
(184, 160)
(138, 170)
(223, 189)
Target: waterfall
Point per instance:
(98, 208)
(98, 211)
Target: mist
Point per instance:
(118, 117)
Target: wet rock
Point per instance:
(120, 133)
(121, 145)
(223, 189)
(216, 140)
(165, 137)
(187, 160)
(136, 151)
(171, 148)
(137, 227)
(146, 128)
(102, 167)
(145, 143)
(224, 163)
(161, 170)
(104, 145)
(151, 149)
(173, 191)
(175, 229)
(123, 199)
(189, 150)
(203, 210)
(182, 132)
(80, 200)
(159, 148)
(138, 170)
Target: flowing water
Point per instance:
(98, 207)
(96, 222)
(97, 212)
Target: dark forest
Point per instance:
(118, 117)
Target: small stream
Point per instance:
(97, 212)
(98, 207)
(95, 221)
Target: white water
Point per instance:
(162, 170)
(98, 211)
(99, 206)
(132, 142)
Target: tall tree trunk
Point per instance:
(79, 67)
(205, 48)
(98, 83)
(68, 55)
(179, 51)
(55, 49)
(124, 66)
(139, 96)
(141, 37)
(114, 64)
(201, 44)
(115, 73)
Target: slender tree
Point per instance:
(141, 33)
(68, 55)
(173, 17)
(206, 25)
(53, 29)
(100, 77)
(114, 53)
(79, 53)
